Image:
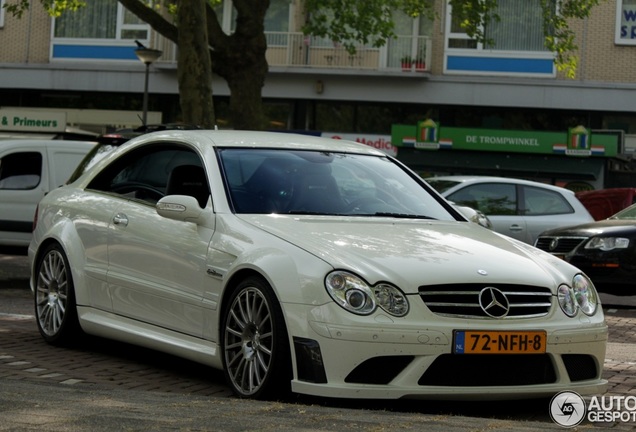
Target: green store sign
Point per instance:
(428, 135)
(24, 120)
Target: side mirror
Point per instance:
(474, 216)
(180, 207)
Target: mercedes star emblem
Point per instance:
(494, 302)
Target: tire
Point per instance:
(255, 344)
(55, 307)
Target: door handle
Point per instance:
(120, 219)
(516, 228)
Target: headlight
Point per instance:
(567, 302)
(585, 294)
(607, 243)
(581, 295)
(355, 295)
(391, 299)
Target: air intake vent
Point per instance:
(489, 370)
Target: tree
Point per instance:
(239, 57)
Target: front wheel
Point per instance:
(256, 357)
(55, 308)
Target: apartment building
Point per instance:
(82, 67)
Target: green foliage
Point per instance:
(350, 22)
(371, 22)
(17, 8)
(474, 16)
(559, 38)
(54, 7)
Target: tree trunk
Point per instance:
(240, 59)
(194, 71)
(246, 103)
(245, 78)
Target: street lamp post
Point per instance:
(147, 56)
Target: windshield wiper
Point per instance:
(306, 212)
(403, 215)
(382, 214)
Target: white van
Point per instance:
(29, 169)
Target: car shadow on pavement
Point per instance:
(108, 363)
(527, 410)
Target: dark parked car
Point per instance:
(604, 250)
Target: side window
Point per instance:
(20, 171)
(152, 172)
(489, 198)
(544, 202)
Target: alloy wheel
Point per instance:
(52, 292)
(249, 341)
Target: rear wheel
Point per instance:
(55, 308)
(255, 347)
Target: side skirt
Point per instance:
(112, 326)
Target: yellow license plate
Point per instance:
(499, 342)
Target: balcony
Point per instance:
(404, 54)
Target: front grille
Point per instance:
(559, 245)
(464, 370)
(462, 300)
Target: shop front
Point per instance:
(578, 159)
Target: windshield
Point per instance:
(311, 182)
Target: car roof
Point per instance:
(120, 136)
(489, 179)
(256, 139)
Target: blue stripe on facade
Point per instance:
(495, 64)
(94, 52)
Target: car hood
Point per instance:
(606, 227)
(412, 252)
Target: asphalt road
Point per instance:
(104, 385)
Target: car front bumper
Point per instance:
(416, 360)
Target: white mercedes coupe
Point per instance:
(307, 265)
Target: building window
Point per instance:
(520, 28)
(625, 22)
(101, 19)
(276, 16)
(1, 13)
